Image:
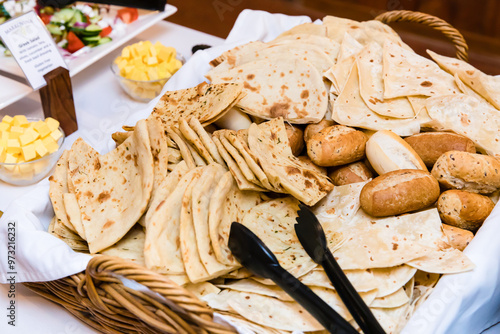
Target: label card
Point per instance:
(32, 46)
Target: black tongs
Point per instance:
(254, 255)
(312, 237)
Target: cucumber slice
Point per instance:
(54, 29)
(78, 17)
(104, 40)
(64, 15)
(91, 39)
(93, 28)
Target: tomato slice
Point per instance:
(45, 18)
(74, 43)
(128, 15)
(106, 31)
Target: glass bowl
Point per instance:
(139, 90)
(30, 172)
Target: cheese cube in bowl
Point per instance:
(143, 68)
(29, 148)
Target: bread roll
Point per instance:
(398, 192)
(457, 237)
(311, 165)
(464, 209)
(387, 151)
(468, 171)
(234, 119)
(296, 138)
(352, 173)
(336, 145)
(431, 145)
(313, 129)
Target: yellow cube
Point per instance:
(28, 137)
(13, 146)
(50, 144)
(20, 120)
(4, 126)
(42, 128)
(56, 134)
(40, 148)
(25, 171)
(126, 52)
(40, 166)
(53, 124)
(10, 159)
(7, 119)
(29, 152)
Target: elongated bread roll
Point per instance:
(295, 138)
(476, 173)
(457, 237)
(352, 173)
(431, 145)
(313, 129)
(336, 145)
(398, 192)
(387, 152)
(464, 209)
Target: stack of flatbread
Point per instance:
(393, 280)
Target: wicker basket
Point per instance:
(99, 298)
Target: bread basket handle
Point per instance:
(432, 21)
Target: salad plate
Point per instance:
(85, 57)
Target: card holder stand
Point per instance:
(57, 99)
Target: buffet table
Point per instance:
(99, 102)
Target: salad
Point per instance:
(75, 28)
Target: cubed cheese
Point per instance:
(4, 126)
(50, 144)
(10, 159)
(53, 124)
(20, 120)
(40, 148)
(42, 128)
(13, 146)
(56, 135)
(7, 119)
(28, 137)
(29, 152)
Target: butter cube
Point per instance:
(5, 137)
(56, 135)
(29, 152)
(29, 136)
(13, 146)
(7, 119)
(42, 128)
(20, 120)
(40, 148)
(10, 159)
(25, 171)
(53, 124)
(4, 126)
(50, 144)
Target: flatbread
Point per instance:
(239, 177)
(162, 250)
(467, 116)
(361, 280)
(206, 140)
(159, 150)
(393, 278)
(130, 247)
(201, 194)
(387, 242)
(189, 248)
(113, 190)
(273, 222)
(330, 47)
(154, 228)
(183, 148)
(446, 261)
(227, 205)
(371, 85)
(73, 214)
(294, 86)
(395, 299)
(193, 139)
(269, 142)
(205, 102)
(306, 28)
(406, 74)
(350, 109)
(487, 86)
(58, 187)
